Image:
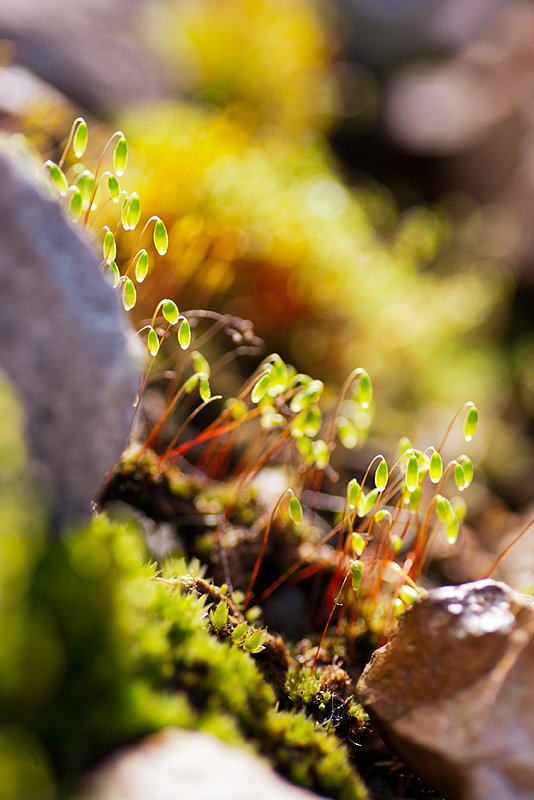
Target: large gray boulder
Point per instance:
(63, 344)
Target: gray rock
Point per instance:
(63, 344)
(178, 764)
(453, 691)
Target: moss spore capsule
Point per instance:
(120, 156)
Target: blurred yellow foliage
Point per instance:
(271, 56)
(262, 226)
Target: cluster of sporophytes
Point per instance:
(390, 546)
(383, 534)
(263, 225)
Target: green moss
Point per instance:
(302, 686)
(121, 653)
(96, 650)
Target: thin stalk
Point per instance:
(69, 140)
(447, 432)
(329, 437)
(95, 187)
(134, 251)
(262, 550)
(186, 422)
(507, 549)
(294, 567)
(206, 435)
(334, 606)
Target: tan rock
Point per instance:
(177, 764)
(453, 691)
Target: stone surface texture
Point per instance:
(63, 343)
(453, 691)
(187, 764)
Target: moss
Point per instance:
(106, 652)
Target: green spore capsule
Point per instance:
(452, 529)
(398, 607)
(153, 342)
(423, 462)
(260, 387)
(467, 466)
(304, 446)
(307, 396)
(354, 492)
(444, 509)
(370, 501)
(120, 156)
(459, 477)
(191, 382)
(114, 188)
(295, 509)
(75, 204)
(204, 389)
(408, 594)
(86, 184)
(133, 213)
(356, 569)
(279, 379)
(129, 295)
(460, 507)
(124, 213)
(112, 274)
(184, 333)
(414, 498)
(347, 431)
(200, 364)
(270, 420)
(471, 422)
(412, 474)
(404, 445)
(169, 309)
(383, 514)
(381, 475)
(79, 143)
(357, 544)
(320, 453)
(109, 247)
(141, 266)
(58, 177)
(436, 467)
(308, 422)
(365, 391)
(362, 504)
(161, 238)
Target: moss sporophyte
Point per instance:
(394, 537)
(375, 550)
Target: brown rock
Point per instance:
(186, 764)
(453, 691)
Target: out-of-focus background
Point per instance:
(356, 177)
